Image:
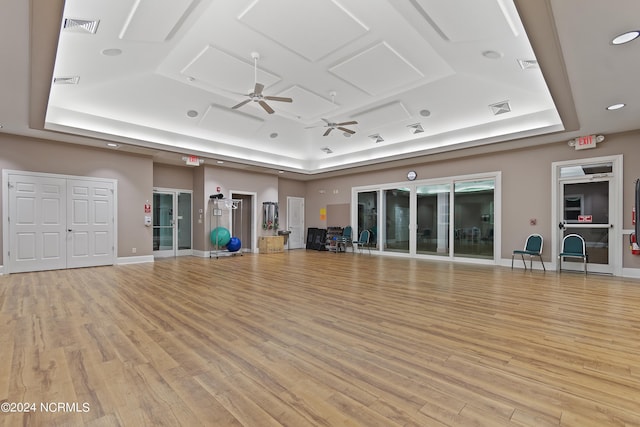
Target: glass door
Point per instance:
(172, 233)
(585, 210)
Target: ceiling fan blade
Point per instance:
(326, 121)
(240, 104)
(278, 98)
(347, 123)
(258, 89)
(347, 130)
(327, 132)
(266, 107)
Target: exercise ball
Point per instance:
(220, 236)
(234, 244)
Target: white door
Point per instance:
(90, 223)
(56, 222)
(37, 223)
(295, 222)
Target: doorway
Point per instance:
(172, 222)
(588, 204)
(295, 223)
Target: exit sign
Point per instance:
(585, 218)
(584, 142)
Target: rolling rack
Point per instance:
(224, 213)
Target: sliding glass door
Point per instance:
(425, 217)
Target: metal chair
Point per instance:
(532, 247)
(573, 246)
(363, 241)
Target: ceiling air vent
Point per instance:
(377, 138)
(80, 26)
(416, 128)
(527, 64)
(500, 107)
(73, 80)
(327, 150)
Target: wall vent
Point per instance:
(527, 64)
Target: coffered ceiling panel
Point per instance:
(154, 20)
(462, 21)
(311, 29)
(226, 72)
(307, 105)
(377, 70)
(224, 120)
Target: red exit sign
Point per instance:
(583, 142)
(585, 218)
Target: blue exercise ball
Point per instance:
(220, 236)
(234, 244)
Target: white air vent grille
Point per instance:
(327, 150)
(80, 26)
(500, 107)
(73, 80)
(527, 64)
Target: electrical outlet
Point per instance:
(133, 250)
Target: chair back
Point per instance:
(364, 237)
(574, 244)
(534, 244)
(347, 232)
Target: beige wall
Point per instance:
(169, 176)
(133, 173)
(526, 185)
(265, 187)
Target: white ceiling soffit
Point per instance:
(154, 20)
(312, 29)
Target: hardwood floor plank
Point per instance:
(311, 338)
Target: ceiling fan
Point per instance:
(333, 125)
(257, 95)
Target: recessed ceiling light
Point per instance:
(280, 171)
(112, 145)
(425, 113)
(192, 113)
(615, 106)
(492, 54)
(112, 52)
(626, 37)
(219, 162)
(273, 135)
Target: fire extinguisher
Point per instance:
(633, 244)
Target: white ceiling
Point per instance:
(454, 68)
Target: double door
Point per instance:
(59, 222)
(172, 235)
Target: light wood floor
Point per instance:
(311, 338)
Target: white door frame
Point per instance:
(254, 216)
(6, 230)
(615, 207)
(175, 251)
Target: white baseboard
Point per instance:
(134, 259)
